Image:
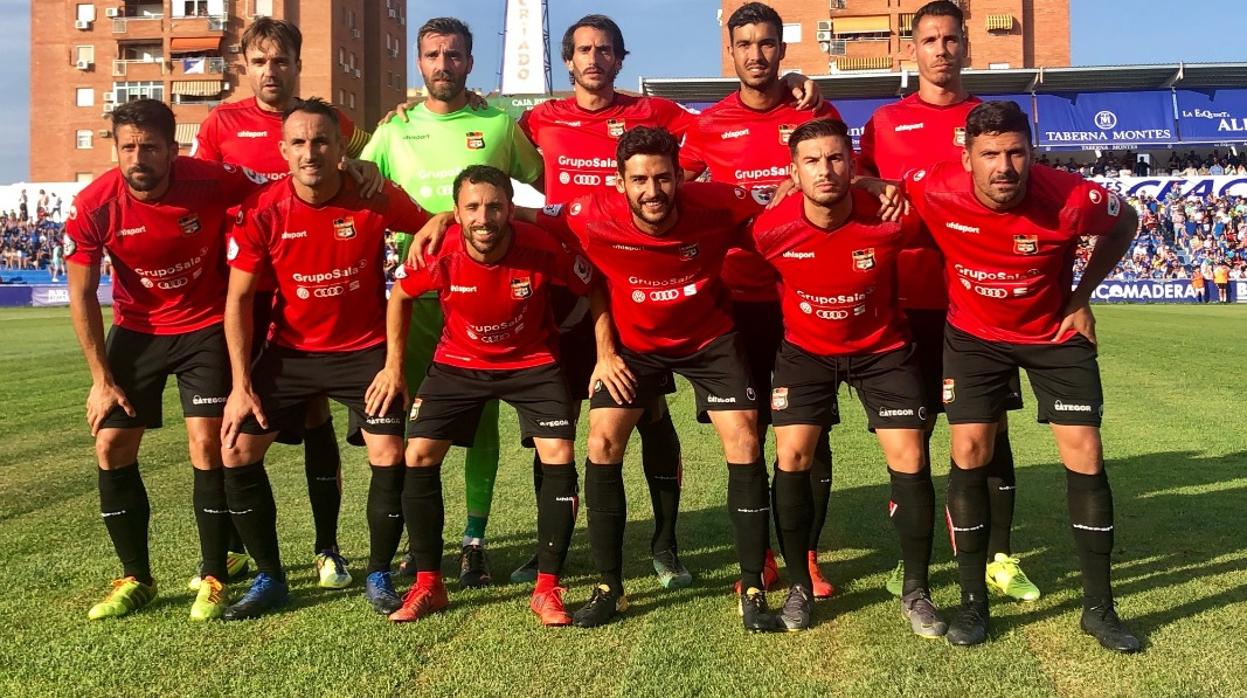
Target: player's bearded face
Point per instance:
(273, 73)
(650, 183)
(756, 52)
(594, 63)
(483, 212)
(144, 157)
(823, 169)
(312, 146)
(444, 65)
(939, 50)
(1000, 165)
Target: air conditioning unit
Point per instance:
(824, 25)
(112, 12)
(109, 107)
(356, 72)
(104, 133)
(355, 33)
(83, 64)
(822, 35)
(110, 97)
(82, 24)
(393, 13)
(119, 68)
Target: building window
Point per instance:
(83, 139)
(145, 89)
(351, 100)
(792, 33)
(84, 53)
(85, 97)
(264, 8)
(341, 96)
(85, 12)
(83, 177)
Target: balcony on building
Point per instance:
(860, 63)
(139, 60)
(867, 28)
(198, 17)
(137, 20)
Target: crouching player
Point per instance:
(499, 342)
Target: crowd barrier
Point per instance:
(45, 295)
(1174, 291)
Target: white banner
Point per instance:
(524, 49)
(1161, 187)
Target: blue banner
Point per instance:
(12, 295)
(1175, 291)
(856, 112)
(1212, 116)
(1105, 120)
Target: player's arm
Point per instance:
(389, 383)
(428, 240)
(239, 312)
(84, 308)
(1108, 251)
(526, 163)
(611, 372)
(365, 173)
(803, 90)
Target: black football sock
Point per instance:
(820, 482)
(660, 457)
(538, 475)
(1001, 490)
(213, 520)
(254, 512)
(967, 525)
(126, 512)
(912, 511)
(425, 513)
(1091, 518)
(608, 512)
(794, 513)
(556, 516)
(748, 507)
(322, 464)
(385, 515)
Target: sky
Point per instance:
(680, 38)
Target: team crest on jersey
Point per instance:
(1026, 244)
(762, 195)
(344, 228)
(521, 288)
(949, 393)
(864, 260)
(779, 399)
(582, 269)
(689, 251)
(189, 224)
(785, 132)
(615, 128)
(476, 140)
(959, 137)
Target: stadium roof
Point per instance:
(1098, 78)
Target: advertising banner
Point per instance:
(1105, 120)
(1212, 116)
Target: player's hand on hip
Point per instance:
(612, 374)
(385, 387)
(103, 398)
(1080, 319)
(366, 174)
(242, 403)
(428, 240)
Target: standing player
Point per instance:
(1008, 230)
(248, 133)
(162, 220)
(659, 247)
(919, 130)
(424, 152)
(743, 140)
(493, 279)
(837, 265)
(324, 245)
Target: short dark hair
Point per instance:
(647, 140)
(149, 114)
(445, 25)
(754, 13)
(941, 8)
(601, 23)
(312, 105)
(279, 31)
(482, 174)
(1002, 116)
(819, 128)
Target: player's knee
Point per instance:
(741, 443)
(388, 452)
(604, 447)
(794, 459)
(420, 456)
(557, 451)
(1084, 454)
(205, 449)
(907, 458)
(112, 450)
(971, 453)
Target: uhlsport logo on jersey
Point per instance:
(521, 288)
(476, 140)
(189, 224)
(615, 128)
(959, 137)
(864, 260)
(1026, 244)
(785, 132)
(689, 251)
(344, 228)
(779, 398)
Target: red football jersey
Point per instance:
(241, 133)
(498, 315)
(666, 292)
(748, 148)
(168, 255)
(839, 286)
(328, 261)
(1010, 272)
(904, 136)
(578, 145)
